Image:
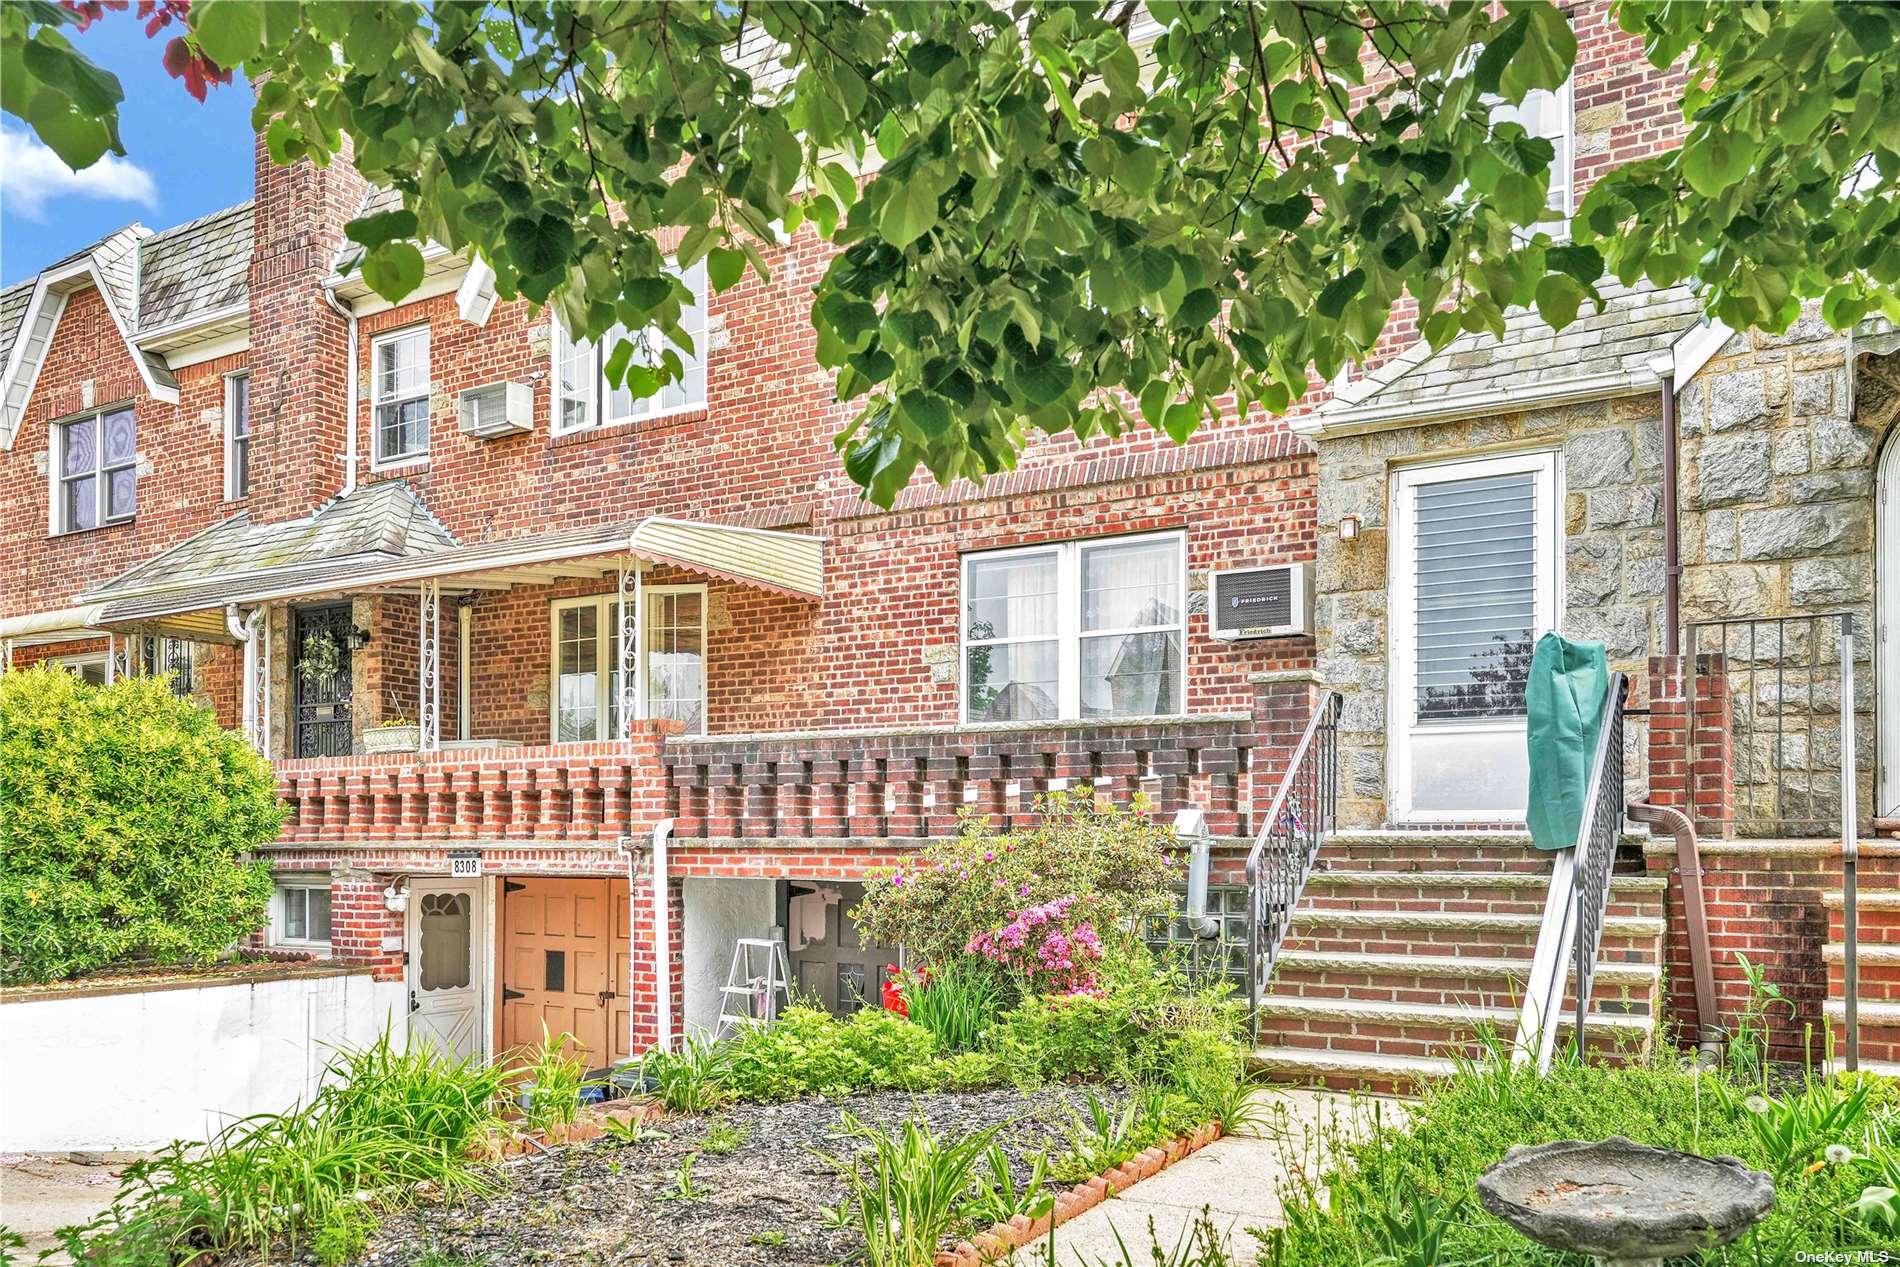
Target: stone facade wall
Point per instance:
(1780, 443)
(1611, 454)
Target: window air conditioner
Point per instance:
(497, 409)
(1270, 602)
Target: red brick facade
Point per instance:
(879, 650)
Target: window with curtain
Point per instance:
(676, 656)
(586, 633)
(584, 397)
(1475, 556)
(1080, 629)
(400, 389)
(97, 481)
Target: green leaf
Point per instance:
(1843, 306)
(1585, 263)
(377, 229)
(929, 412)
(724, 267)
(539, 245)
(1043, 382)
(229, 31)
(1558, 297)
(909, 212)
(1198, 308)
(1181, 421)
(393, 269)
(1714, 159)
(1332, 300)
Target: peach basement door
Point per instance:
(565, 964)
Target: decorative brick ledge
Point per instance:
(1021, 1232)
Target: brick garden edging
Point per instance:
(1022, 1231)
(510, 1140)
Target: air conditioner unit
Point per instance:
(497, 409)
(1270, 602)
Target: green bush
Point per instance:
(127, 815)
(1117, 861)
(1133, 1031)
(808, 1052)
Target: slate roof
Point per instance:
(13, 301)
(1637, 323)
(199, 267)
(376, 523)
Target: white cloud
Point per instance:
(34, 176)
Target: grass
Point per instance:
(1406, 1195)
(955, 1003)
(723, 1137)
(385, 1125)
(556, 1078)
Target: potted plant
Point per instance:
(395, 733)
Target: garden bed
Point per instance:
(758, 1203)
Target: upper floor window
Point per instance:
(400, 393)
(584, 399)
(1548, 114)
(1079, 629)
(237, 436)
(95, 471)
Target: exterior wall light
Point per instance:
(1348, 527)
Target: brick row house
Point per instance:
(570, 692)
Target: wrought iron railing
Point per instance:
(1302, 813)
(1579, 899)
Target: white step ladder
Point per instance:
(758, 984)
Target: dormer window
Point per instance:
(95, 471)
(585, 400)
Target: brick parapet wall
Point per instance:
(1765, 901)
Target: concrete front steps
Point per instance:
(1410, 948)
(1878, 999)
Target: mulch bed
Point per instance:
(600, 1202)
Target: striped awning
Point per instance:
(64, 624)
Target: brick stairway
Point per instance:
(1879, 995)
(1406, 944)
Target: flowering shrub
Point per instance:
(1116, 862)
(1053, 945)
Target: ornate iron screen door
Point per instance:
(323, 673)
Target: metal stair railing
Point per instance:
(1302, 813)
(1579, 897)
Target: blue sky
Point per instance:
(182, 159)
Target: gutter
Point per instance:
(349, 395)
(1375, 417)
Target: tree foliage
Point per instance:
(125, 818)
(1057, 216)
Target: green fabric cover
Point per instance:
(1563, 703)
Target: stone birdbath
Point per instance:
(1623, 1203)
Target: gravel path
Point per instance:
(600, 1203)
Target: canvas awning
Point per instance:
(64, 624)
(782, 562)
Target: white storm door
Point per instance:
(445, 965)
(1476, 564)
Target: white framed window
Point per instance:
(95, 470)
(300, 912)
(584, 669)
(399, 392)
(89, 668)
(1550, 114)
(154, 655)
(584, 400)
(1084, 629)
(237, 437)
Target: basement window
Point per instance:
(300, 913)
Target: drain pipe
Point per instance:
(1665, 368)
(1190, 829)
(349, 394)
(1696, 916)
(662, 934)
(246, 629)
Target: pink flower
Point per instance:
(897, 880)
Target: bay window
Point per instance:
(1076, 630)
(400, 394)
(585, 400)
(96, 471)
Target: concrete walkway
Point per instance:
(40, 1193)
(1238, 1180)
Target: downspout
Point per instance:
(245, 630)
(662, 936)
(349, 393)
(1665, 368)
(1696, 916)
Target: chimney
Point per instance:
(298, 352)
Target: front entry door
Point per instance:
(445, 966)
(566, 964)
(1476, 574)
(826, 958)
(323, 679)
